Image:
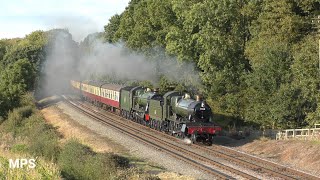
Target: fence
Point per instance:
(311, 133)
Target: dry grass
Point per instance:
(71, 130)
(298, 153)
(43, 169)
(175, 176)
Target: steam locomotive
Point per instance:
(173, 113)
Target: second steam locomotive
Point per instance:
(172, 112)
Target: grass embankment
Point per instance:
(25, 134)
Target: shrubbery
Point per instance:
(78, 161)
(15, 117)
(26, 132)
(43, 137)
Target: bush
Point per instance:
(16, 117)
(78, 161)
(43, 170)
(27, 100)
(44, 140)
(19, 148)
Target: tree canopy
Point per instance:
(257, 59)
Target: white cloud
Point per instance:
(81, 17)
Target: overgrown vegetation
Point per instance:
(80, 162)
(23, 131)
(26, 134)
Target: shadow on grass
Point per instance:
(234, 131)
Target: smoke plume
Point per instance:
(116, 60)
(66, 60)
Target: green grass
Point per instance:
(78, 161)
(19, 148)
(25, 133)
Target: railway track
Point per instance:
(257, 164)
(243, 159)
(197, 159)
(194, 159)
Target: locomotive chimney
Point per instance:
(198, 98)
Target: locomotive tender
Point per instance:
(173, 113)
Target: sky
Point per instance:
(81, 17)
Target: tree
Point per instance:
(256, 59)
(16, 79)
(272, 98)
(111, 28)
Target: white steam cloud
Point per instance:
(64, 62)
(115, 60)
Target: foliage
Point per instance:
(43, 138)
(20, 61)
(78, 161)
(17, 78)
(257, 59)
(15, 118)
(112, 28)
(43, 170)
